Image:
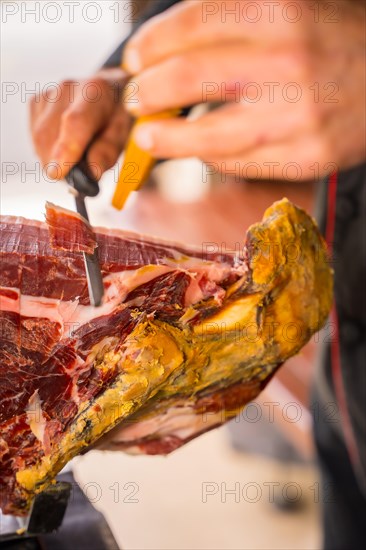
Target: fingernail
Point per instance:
(96, 170)
(144, 137)
(132, 61)
(131, 100)
(53, 169)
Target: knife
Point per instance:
(83, 184)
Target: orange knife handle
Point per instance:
(137, 163)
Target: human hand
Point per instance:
(292, 84)
(66, 121)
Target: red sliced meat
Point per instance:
(69, 231)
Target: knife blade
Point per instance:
(83, 185)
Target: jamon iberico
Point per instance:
(185, 337)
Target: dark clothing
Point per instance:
(349, 264)
(343, 475)
(343, 504)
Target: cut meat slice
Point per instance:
(185, 337)
(69, 231)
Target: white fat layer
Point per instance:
(35, 417)
(182, 422)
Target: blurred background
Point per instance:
(252, 484)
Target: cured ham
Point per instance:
(184, 338)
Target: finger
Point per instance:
(206, 76)
(41, 146)
(45, 112)
(104, 152)
(79, 124)
(303, 159)
(231, 129)
(195, 23)
(45, 131)
(52, 100)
